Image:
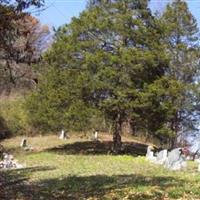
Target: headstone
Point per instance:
(198, 161)
(25, 146)
(63, 135)
(96, 135)
(150, 154)
(175, 160)
(23, 143)
(161, 157)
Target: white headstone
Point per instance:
(198, 161)
(23, 143)
(150, 155)
(96, 135)
(175, 160)
(161, 157)
(62, 135)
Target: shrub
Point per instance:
(13, 116)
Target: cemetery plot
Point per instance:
(65, 169)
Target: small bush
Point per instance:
(13, 115)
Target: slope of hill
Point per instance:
(79, 168)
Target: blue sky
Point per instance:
(60, 12)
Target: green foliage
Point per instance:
(158, 104)
(117, 49)
(14, 115)
(57, 103)
(119, 60)
(168, 106)
(182, 36)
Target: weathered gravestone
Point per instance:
(198, 165)
(150, 154)
(198, 161)
(94, 136)
(25, 146)
(63, 135)
(175, 160)
(23, 143)
(161, 157)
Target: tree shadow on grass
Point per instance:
(92, 187)
(16, 180)
(98, 148)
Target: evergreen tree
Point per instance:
(57, 103)
(182, 36)
(114, 50)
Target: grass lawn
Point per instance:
(80, 169)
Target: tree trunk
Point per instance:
(11, 77)
(172, 142)
(117, 143)
(175, 128)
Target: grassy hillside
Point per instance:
(13, 116)
(81, 169)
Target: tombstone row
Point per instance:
(173, 160)
(63, 135)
